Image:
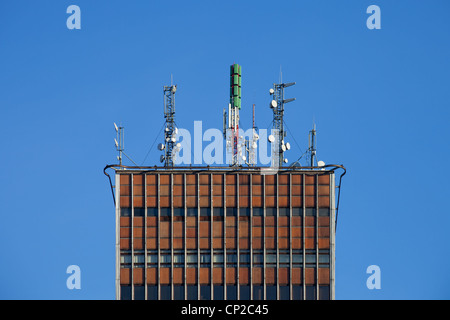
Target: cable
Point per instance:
(153, 143)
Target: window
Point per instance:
(258, 211)
(218, 212)
(165, 212)
(192, 259)
(192, 293)
(125, 212)
(218, 292)
(284, 292)
(152, 260)
(310, 211)
(324, 212)
(205, 259)
(231, 212)
(192, 212)
(297, 292)
(244, 292)
(205, 212)
(258, 260)
(139, 292)
(271, 212)
(178, 292)
(244, 259)
(297, 212)
(165, 292)
(283, 212)
(324, 292)
(231, 292)
(271, 292)
(152, 212)
(244, 212)
(178, 212)
(310, 292)
(152, 292)
(125, 292)
(139, 212)
(205, 292)
(258, 293)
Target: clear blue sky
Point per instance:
(380, 100)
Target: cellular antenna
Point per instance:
(278, 133)
(312, 145)
(170, 146)
(119, 141)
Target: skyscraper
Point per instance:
(225, 233)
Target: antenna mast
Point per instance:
(277, 105)
(312, 145)
(170, 131)
(119, 141)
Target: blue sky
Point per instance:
(379, 98)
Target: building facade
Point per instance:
(225, 233)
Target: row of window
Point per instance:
(192, 292)
(193, 258)
(230, 212)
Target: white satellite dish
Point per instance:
(176, 131)
(271, 91)
(285, 160)
(115, 126)
(174, 139)
(320, 163)
(273, 104)
(116, 143)
(288, 146)
(271, 138)
(161, 158)
(254, 145)
(283, 147)
(244, 158)
(174, 89)
(161, 146)
(178, 145)
(256, 136)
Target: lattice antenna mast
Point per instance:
(277, 105)
(119, 142)
(170, 132)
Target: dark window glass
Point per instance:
(271, 292)
(310, 211)
(258, 293)
(139, 292)
(178, 292)
(231, 258)
(324, 212)
(257, 258)
(244, 258)
(258, 211)
(139, 212)
(231, 212)
(125, 292)
(231, 292)
(178, 212)
(271, 212)
(297, 211)
(165, 292)
(284, 292)
(218, 212)
(218, 292)
(205, 212)
(310, 258)
(125, 212)
(324, 292)
(192, 293)
(205, 292)
(271, 258)
(205, 258)
(297, 292)
(165, 212)
(324, 258)
(152, 212)
(152, 292)
(244, 212)
(192, 212)
(283, 211)
(310, 292)
(284, 258)
(244, 292)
